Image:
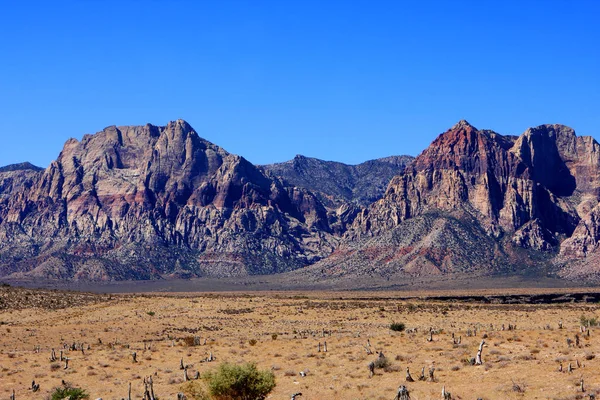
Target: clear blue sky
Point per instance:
(346, 81)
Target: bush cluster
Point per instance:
(239, 382)
(68, 392)
(397, 326)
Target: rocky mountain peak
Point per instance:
(145, 199)
(462, 124)
(464, 147)
(502, 182)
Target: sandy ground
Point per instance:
(518, 364)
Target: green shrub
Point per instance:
(191, 341)
(239, 382)
(397, 326)
(69, 393)
(151, 313)
(382, 362)
(588, 321)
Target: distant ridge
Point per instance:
(336, 182)
(24, 166)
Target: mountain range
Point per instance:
(150, 202)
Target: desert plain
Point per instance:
(285, 332)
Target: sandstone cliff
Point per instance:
(537, 191)
(144, 202)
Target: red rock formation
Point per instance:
(536, 189)
(141, 202)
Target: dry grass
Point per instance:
(519, 364)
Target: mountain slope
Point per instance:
(538, 191)
(144, 202)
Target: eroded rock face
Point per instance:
(536, 189)
(499, 180)
(148, 201)
(533, 236)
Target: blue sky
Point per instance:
(346, 81)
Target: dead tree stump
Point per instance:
(422, 376)
(402, 393)
(446, 395)
(151, 388)
(478, 360)
(431, 372)
(408, 377)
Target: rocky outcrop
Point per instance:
(532, 191)
(490, 177)
(533, 236)
(147, 201)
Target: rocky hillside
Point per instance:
(141, 202)
(336, 183)
(152, 202)
(474, 198)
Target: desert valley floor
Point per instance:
(281, 331)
